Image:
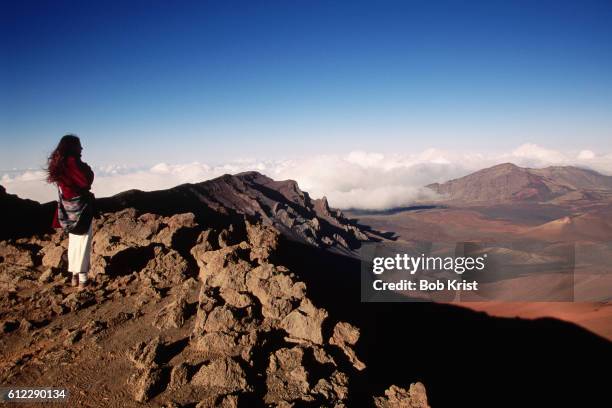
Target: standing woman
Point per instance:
(75, 206)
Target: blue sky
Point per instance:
(144, 82)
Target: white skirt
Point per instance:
(79, 251)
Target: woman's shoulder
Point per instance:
(76, 161)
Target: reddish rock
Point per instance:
(12, 254)
(346, 335)
(396, 397)
(224, 374)
(55, 256)
(305, 322)
(287, 378)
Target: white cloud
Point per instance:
(586, 155)
(367, 180)
(532, 154)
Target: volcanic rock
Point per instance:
(145, 354)
(174, 226)
(46, 276)
(172, 315)
(148, 383)
(287, 378)
(166, 266)
(79, 300)
(263, 241)
(226, 267)
(396, 397)
(179, 376)
(346, 335)
(334, 389)
(275, 289)
(55, 256)
(305, 322)
(13, 254)
(224, 374)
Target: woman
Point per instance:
(75, 204)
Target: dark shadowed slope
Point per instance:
(464, 358)
(21, 217)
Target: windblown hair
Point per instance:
(68, 146)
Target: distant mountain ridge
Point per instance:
(223, 200)
(281, 204)
(508, 182)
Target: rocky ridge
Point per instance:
(280, 204)
(205, 317)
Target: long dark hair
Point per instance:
(68, 146)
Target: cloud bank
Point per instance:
(363, 180)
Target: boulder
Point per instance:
(226, 267)
(166, 266)
(345, 335)
(275, 289)
(55, 256)
(235, 298)
(16, 255)
(286, 377)
(221, 319)
(396, 397)
(333, 389)
(172, 315)
(206, 303)
(218, 344)
(145, 354)
(174, 225)
(118, 231)
(203, 244)
(305, 322)
(263, 241)
(148, 383)
(79, 300)
(224, 374)
(46, 276)
(179, 376)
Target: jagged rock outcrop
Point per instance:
(244, 302)
(54, 256)
(305, 322)
(223, 375)
(346, 336)
(172, 315)
(286, 377)
(396, 397)
(148, 378)
(251, 317)
(280, 204)
(12, 254)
